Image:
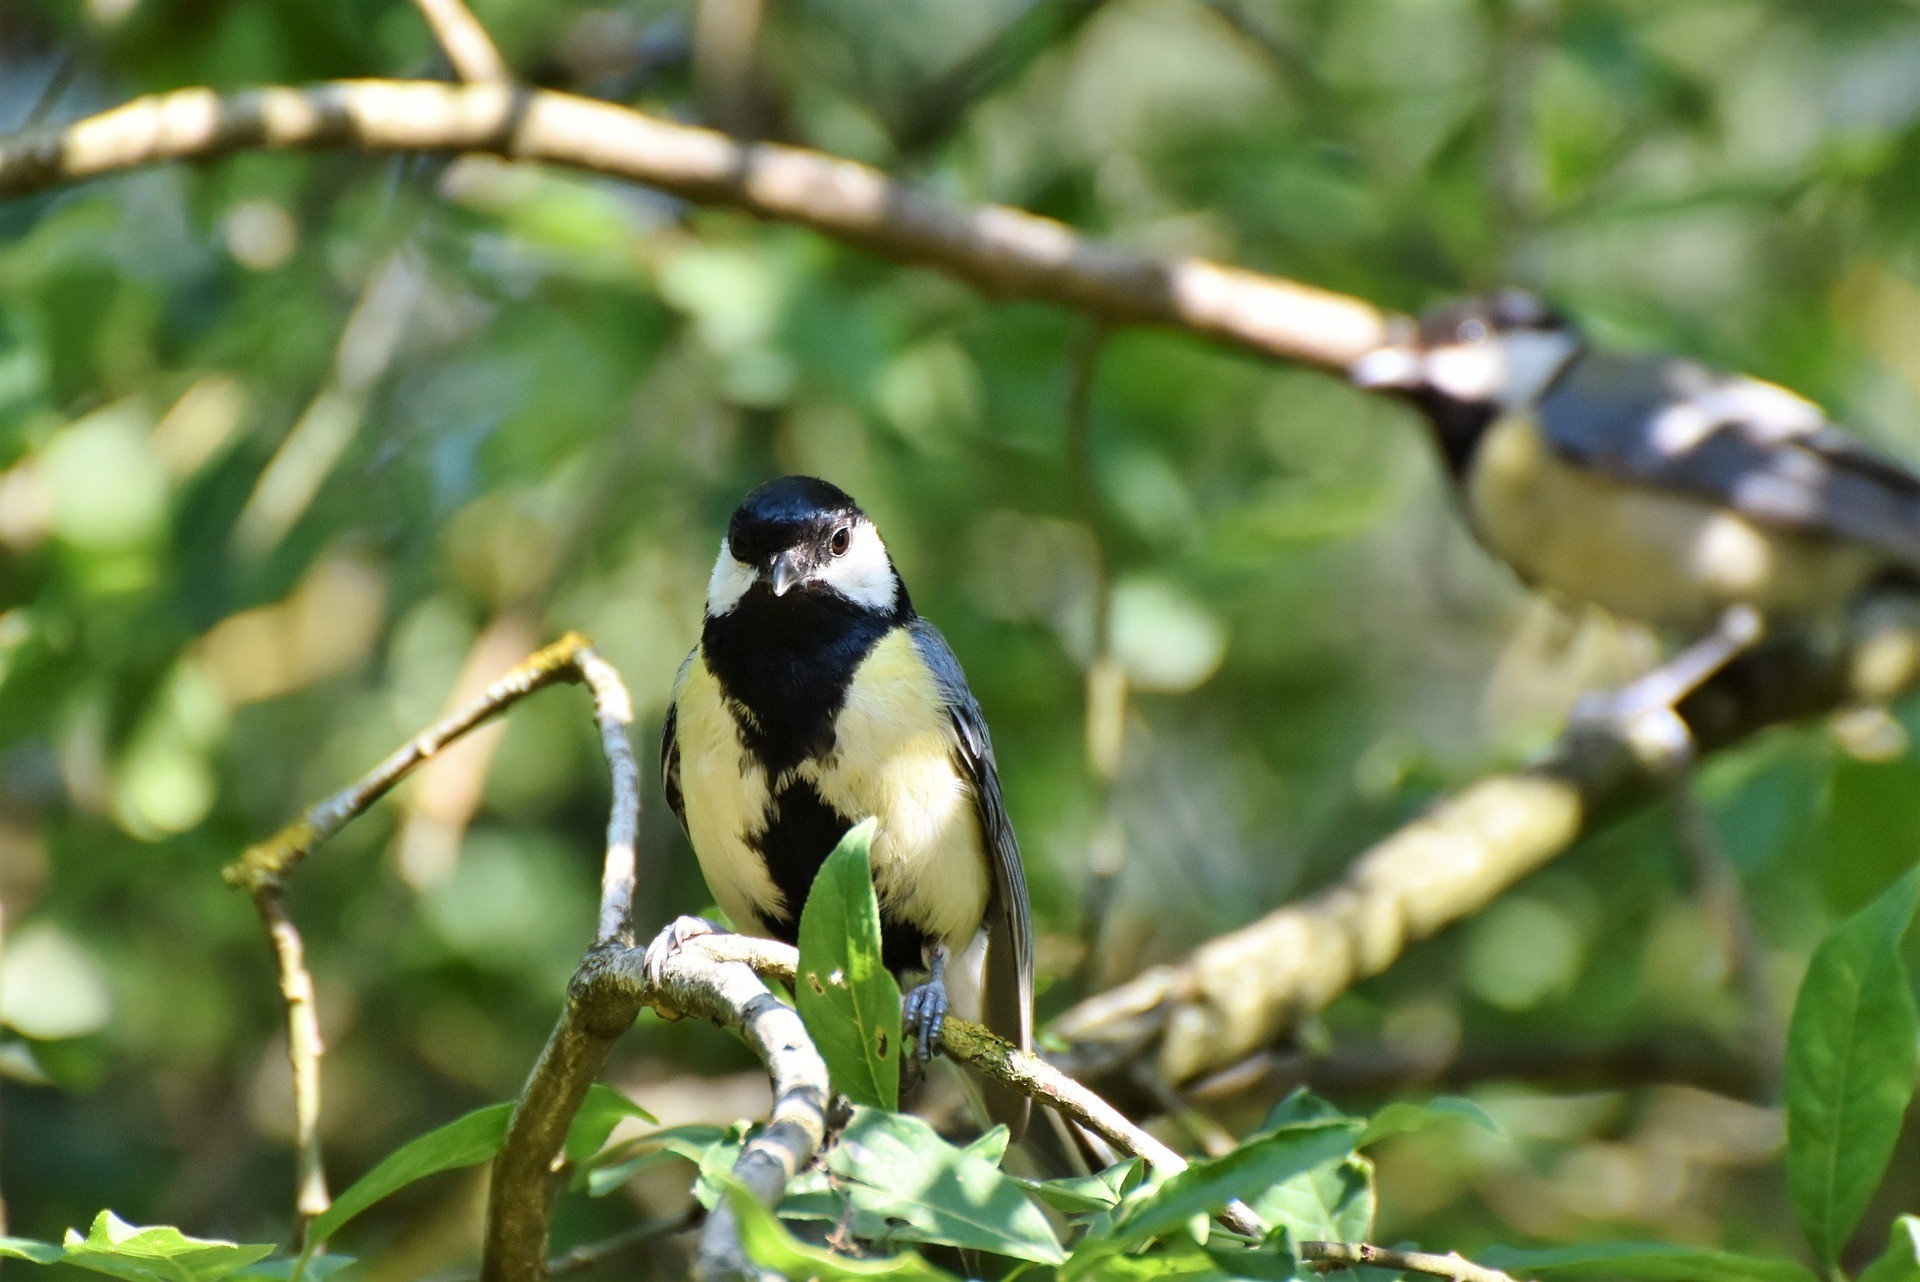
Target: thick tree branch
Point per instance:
(1004, 252)
(697, 980)
(1248, 990)
(974, 1046)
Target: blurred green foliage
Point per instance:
(293, 447)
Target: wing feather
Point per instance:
(670, 748)
(1009, 976)
(1757, 448)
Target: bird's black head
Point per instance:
(1470, 361)
(802, 537)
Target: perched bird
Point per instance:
(1704, 503)
(817, 698)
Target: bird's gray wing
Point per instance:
(670, 748)
(1009, 977)
(1754, 447)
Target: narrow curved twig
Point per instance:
(1004, 252)
(1327, 1256)
(262, 870)
(470, 50)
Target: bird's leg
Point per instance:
(924, 1012)
(1645, 712)
(668, 941)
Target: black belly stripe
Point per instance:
(802, 830)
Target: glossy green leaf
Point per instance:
(1643, 1261)
(1083, 1194)
(772, 1247)
(1850, 1067)
(1402, 1117)
(846, 996)
(1900, 1262)
(1244, 1174)
(20, 1248)
(1334, 1202)
(464, 1141)
(603, 1109)
(612, 1170)
(909, 1184)
(122, 1250)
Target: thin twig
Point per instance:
(304, 1049)
(1004, 252)
(590, 1255)
(470, 50)
(972, 1044)
(262, 869)
(1352, 1255)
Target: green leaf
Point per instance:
(908, 1183)
(603, 1109)
(846, 997)
(1401, 1118)
(1244, 1174)
(772, 1247)
(20, 1248)
(464, 1141)
(1900, 1262)
(1330, 1203)
(1646, 1261)
(122, 1250)
(1850, 1067)
(1082, 1194)
(611, 1171)
(317, 1269)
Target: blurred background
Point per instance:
(296, 450)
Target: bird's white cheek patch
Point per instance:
(863, 574)
(730, 581)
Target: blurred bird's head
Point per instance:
(799, 539)
(1468, 362)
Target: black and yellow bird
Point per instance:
(1704, 503)
(817, 698)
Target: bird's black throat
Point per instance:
(785, 665)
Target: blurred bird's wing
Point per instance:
(1756, 448)
(670, 747)
(1009, 977)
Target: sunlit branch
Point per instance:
(469, 49)
(1327, 1256)
(1031, 1075)
(1004, 252)
(1248, 990)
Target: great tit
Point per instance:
(817, 698)
(1662, 490)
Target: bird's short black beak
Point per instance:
(786, 571)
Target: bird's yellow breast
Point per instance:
(892, 758)
(1659, 556)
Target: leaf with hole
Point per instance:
(846, 997)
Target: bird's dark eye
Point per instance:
(841, 541)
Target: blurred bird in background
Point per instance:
(1708, 504)
(817, 698)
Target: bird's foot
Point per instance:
(1645, 722)
(923, 1014)
(668, 942)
